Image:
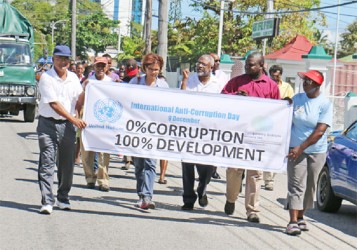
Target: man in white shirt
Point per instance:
(222, 77)
(201, 81)
(60, 91)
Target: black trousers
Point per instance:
(188, 179)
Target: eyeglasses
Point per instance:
(217, 60)
(152, 69)
(201, 63)
(308, 81)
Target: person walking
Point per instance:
(312, 115)
(61, 95)
(145, 168)
(286, 91)
(222, 79)
(254, 83)
(101, 176)
(201, 81)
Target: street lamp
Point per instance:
(220, 31)
(119, 39)
(53, 27)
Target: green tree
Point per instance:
(132, 46)
(41, 13)
(95, 32)
(236, 39)
(349, 40)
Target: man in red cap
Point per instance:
(312, 115)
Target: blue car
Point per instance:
(338, 178)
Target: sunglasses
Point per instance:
(217, 60)
(308, 81)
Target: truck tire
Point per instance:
(29, 113)
(15, 112)
(325, 198)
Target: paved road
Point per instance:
(102, 220)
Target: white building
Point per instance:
(124, 11)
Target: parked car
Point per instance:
(338, 178)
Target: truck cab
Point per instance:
(18, 89)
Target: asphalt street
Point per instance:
(109, 220)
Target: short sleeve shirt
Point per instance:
(194, 84)
(53, 89)
(263, 87)
(286, 90)
(307, 113)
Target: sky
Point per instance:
(348, 14)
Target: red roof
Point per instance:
(293, 50)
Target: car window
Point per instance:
(352, 132)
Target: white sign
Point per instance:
(215, 129)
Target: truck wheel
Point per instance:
(326, 199)
(15, 112)
(29, 113)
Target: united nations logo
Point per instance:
(108, 110)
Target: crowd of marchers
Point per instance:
(62, 89)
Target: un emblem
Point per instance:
(108, 110)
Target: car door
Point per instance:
(343, 163)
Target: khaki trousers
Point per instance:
(268, 177)
(252, 188)
(88, 163)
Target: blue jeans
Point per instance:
(145, 173)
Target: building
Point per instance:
(125, 11)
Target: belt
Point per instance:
(53, 119)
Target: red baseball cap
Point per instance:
(101, 60)
(314, 75)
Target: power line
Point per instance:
(276, 12)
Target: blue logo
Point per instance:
(108, 110)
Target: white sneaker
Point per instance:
(63, 206)
(46, 209)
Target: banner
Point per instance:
(215, 129)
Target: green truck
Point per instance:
(18, 87)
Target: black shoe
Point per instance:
(253, 218)
(187, 206)
(203, 201)
(90, 185)
(229, 208)
(215, 175)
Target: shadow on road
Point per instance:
(146, 214)
(9, 119)
(347, 214)
(29, 135)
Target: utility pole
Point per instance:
(74, 29)
(147, 23)
(270, 8)
(162, 32)
(220, 30)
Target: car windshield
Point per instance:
(15, 54)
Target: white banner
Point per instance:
(172, 124)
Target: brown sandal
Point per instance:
(162, 182)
